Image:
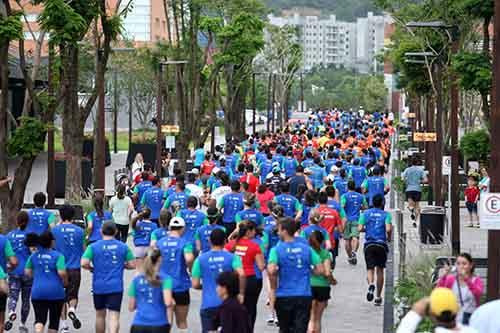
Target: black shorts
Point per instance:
(375, 255)
(149, 329)
(471, 207)
(73, 287)
(413, 195)
(111, 301)
(320, 294)
(182, 298)
(3, 303)
(48, 309)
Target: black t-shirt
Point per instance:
(295, 182)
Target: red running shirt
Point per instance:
(247, 250)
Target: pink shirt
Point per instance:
(475, 285)
(264, 198)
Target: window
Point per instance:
(137, 24)
(32, 17)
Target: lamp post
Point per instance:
(493, 289)
(254, 105)
(452, 32)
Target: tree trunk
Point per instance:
(73, 126)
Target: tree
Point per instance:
(476, 145)
(374, 94)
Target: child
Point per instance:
(471, 199)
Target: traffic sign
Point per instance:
(424, 137)
(489, 211)
(446, 165)
(170, 129)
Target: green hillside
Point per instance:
(346, 10)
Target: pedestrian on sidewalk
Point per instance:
(471, 193)
(441, 307)
(414, 176)
(467, 287)
(484, 183)
(377, 225)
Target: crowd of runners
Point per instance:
(271, 212)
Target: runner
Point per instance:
(250, 213)
(251, 257)
(308, 204)
(290, 204)
(47, 267)
(264, 197)
(315, 219)
(377, 225)
(352, 202)
(180, 197)
(230, 204)
(122, 208)
(107, 259)
(140, 188)
(289, 268)
(162, 230)
(96, 218)
(19, 282)
(177, 258)
(252, 180)
(205, 270)
(375, 184)
(153, 199)
(331, 222)
(151, 297)
(414, 176)
(202, 234)
(320, 284)
(70, 242)
(194, 220)
(40, 218)
(143, 227)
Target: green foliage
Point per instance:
(243, 38)
(63, 22)
(116, 25)
(28, 138)
(476, 145)
(11, 27)
(211, 24)
(347, 10)
(479, 8)
(398, 185)
(474, 71)
(374, 93)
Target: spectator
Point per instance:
(121, 207)
(471, 198)
(484, 183)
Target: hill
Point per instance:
(346, 10)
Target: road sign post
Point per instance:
(489, 211)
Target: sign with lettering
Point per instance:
(424, 137)
(170, 129)
(489, 211)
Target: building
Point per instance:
(329, 42)
(144, 24)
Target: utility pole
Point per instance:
(301, 92)
(254, 105)
(438, 182)
(100, 139)
(159, 121)
(273, 115)
(454, 196)
(115, 112)
(269, 102)
(51, 186)
(493, 290)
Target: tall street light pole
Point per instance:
(100, 146)
(159, 121)
(493, 289)
(273, 114)
(301, 92)
(254, 105)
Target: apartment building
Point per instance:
(329, 42)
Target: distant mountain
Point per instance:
(346, 10)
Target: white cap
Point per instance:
(177, 222)
(334, 169)
(215, 170)
(195, 171)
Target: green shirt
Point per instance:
(321, 280)
(362, 220)
(3, 276)
(8, 251)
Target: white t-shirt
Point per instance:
(120, 209)
(469, 302)
(410, 322)
(219, 192)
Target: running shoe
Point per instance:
(272, 321)
(369, 295)
(414, 225)
(378, 301)
(354, 259)
(65, 329)
(9, 323)
(74, 319)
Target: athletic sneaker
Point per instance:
(65, 329)
(414, 225)
(74, 319)
(369, 295)
(272, 320)
(354, 260)
(378, 301)
(9, 323)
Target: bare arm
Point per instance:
(318, 269)
(131, 304)
(196, 282)
(28, 272)
(130, 264)
(259, 260)
(4, 287)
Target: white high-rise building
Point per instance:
(328, 42)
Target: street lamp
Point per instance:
(452, 32)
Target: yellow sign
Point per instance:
(411, 115)
(171, 129)
(424, 137)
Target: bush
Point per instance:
(476, 145)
